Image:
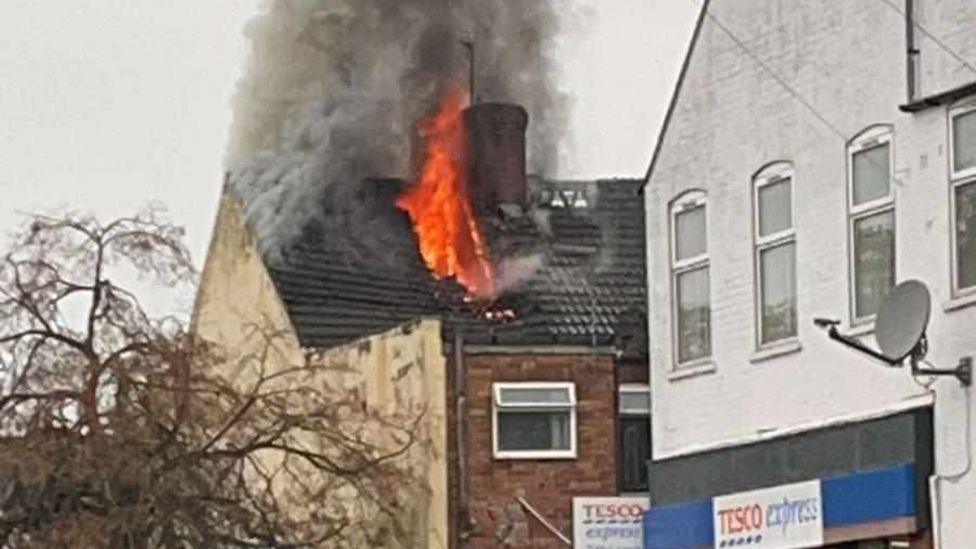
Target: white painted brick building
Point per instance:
(799, 83)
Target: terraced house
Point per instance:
(537, 395)
(816, 153)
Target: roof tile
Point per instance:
(590, 289)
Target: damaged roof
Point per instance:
(574, 260)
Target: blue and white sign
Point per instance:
(609, 523)
(782, 517)
(832, 509)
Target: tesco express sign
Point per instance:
(609, 523)
(782, 517)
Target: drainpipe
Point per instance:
(463, 524)
(936, 480)
(935, 510)
(911, 58)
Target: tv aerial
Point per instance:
(899, 329)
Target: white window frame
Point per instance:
(497, 406)
(957, 290)
(687, 201)
(629, 414)
(870, 138)
(771, 174)
(634, 388)
(966, 108)
(957, 180)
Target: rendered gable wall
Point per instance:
(397, 372)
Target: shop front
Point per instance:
(851, 486)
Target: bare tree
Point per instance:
(118, 429)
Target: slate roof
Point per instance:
(358, 271)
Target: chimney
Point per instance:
(496, 154)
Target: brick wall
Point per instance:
(548, 485)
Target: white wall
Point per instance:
(947, 32)
(846, 60)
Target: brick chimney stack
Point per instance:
(496, 154)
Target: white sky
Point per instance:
(108, 104)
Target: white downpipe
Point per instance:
(935, 501)
(935, 481)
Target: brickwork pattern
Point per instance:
(548, 485)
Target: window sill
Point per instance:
(535, 455)
(862, 328)
(960, 301)
(777, 349)
(959, 177)
(692, 369)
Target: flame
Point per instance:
(439, 205)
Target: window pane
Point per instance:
(690, 233)
(635, 449)
(871, 174)
(635, 402)
(694, 338)
(874, 261)
(535, 396)
(775, 209)
(964, 141)
(533, 431)
(777, 268)
(966, 235)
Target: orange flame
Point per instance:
(439, 205)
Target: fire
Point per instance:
(439, 204)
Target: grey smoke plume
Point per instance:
(333, 89)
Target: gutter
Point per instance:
(940, 99)
(540, 350)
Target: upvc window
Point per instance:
(535, 420)
(635, 399)
(964, 229)
(635, 436)
(962, 135)
(872, 221)
(775, 241)
(690, 278)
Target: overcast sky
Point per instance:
(109, 104)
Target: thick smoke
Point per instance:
(333, 90)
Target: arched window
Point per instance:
(690, 279)
(962, 136)
(775, 243)
(871, 215)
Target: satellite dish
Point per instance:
(901, 322)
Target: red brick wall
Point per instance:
(548, 485)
